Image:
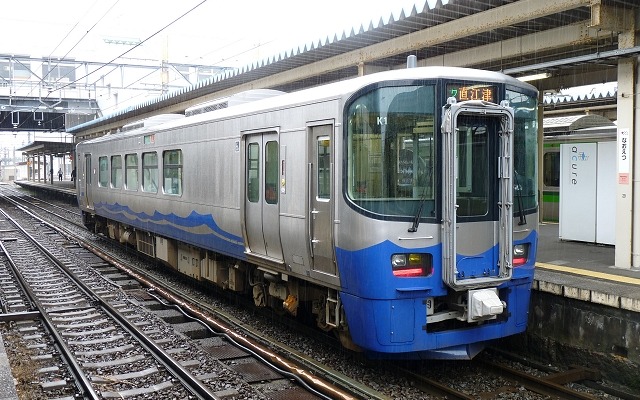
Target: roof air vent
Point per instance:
(412, 61)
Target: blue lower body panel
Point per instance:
(398, 328)
(395, 324)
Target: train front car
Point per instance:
(436, 246)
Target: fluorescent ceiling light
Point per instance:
(535, 77)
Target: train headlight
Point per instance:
(413, 264)
(399, 260)
(520, 254)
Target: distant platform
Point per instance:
(64, 188)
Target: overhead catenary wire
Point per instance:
(73, 47)
(79, 40)
(114, 59)
(134, 47)
(74, 27)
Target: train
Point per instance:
(564, 130)
(396, 210)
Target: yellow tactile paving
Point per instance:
(593, 274)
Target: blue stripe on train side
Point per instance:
(197, 229)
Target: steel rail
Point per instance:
(192, 384)
(539, 385)
(84, 383)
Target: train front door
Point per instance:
(477, 194)
(262, 211)
(321, 199)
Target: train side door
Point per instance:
(88, 197)
(262, 211)
(320, 173)
(477, 194)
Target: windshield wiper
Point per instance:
(518, 190)
(416, 218)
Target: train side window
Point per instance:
(103, 171)
(131, 175)
(150, 172)
(551, 169)
(324, 168)
(271, 172)
(253, 169)
(116, 172)
(172, 171)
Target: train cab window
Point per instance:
(253, 170)
(103, 171)
(150, 172)
(172, 171)
(525, 141)
(116, 172)
(131, 175)
(391, 151)
(271, 172)
(473, 155)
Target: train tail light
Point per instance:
(520, 254)
(411, 265)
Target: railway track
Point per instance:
(67, 213)
(104, 332)
(80, 313)
(496, 374)
(291, 364)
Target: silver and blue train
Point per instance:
(399, 209)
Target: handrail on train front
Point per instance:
(450, 113)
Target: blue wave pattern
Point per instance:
(179, 228)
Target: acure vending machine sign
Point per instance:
(587, 192)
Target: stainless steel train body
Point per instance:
(399, 208)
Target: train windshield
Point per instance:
(391, 150)
(525, 144)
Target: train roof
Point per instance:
(572, 123)
(330, 91)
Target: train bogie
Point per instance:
(374, 204)
(215, 270)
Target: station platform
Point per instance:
(7, 383)
(584, 271)
(64, 188)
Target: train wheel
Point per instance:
(259, 296)
(345, 340)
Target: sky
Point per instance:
(202, 32)
(231, 34)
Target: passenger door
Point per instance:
(321, 199)
(88, 198)
(262, 211)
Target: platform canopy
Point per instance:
(57, 149)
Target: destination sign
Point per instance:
(472, 92)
